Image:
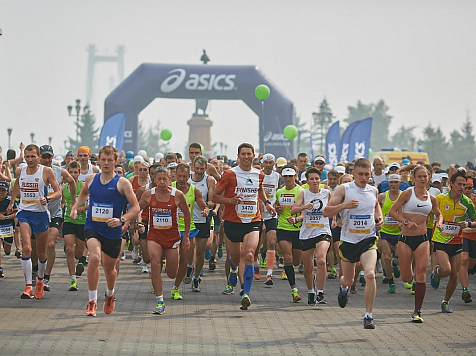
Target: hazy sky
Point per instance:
(419, 56)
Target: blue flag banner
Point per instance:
(360, 140)
(332, 143)
(112, 132)
(343, 153)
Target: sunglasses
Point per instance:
(319, 163)
(143, 169)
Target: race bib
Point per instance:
(269, 192)
(314, 219)
(451, 229)
(101, 212)
(286, 200)
(162, 220)
(360, 224)
(30, 198)
(6, 231)
(388, 220)
(180, 213)
(246, 209)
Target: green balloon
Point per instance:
(290, 132)
(262, 92)
(165, 134)
(371, 152)
(202, 148)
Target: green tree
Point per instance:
(302, 140)
(434, 143)
(380, 123)
(322, 120)
(88, 133)
(404, 138)
(149, 139)
(462, 144)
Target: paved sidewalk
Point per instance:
(211, 323)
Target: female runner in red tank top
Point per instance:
(163, 235)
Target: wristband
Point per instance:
(267, 202)
(47, 199)
(469, 224)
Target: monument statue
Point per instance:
(204, 58)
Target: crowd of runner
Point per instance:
(261, 212)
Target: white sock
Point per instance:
(311, 291)
(26, 267)
(270, 272)
(320, 291)
(256, 264)
(73, 276)
(160, 298)
(41, 268)
(110, 292)
(367, 315)
(93, 295)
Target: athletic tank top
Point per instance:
(359, 223)
(163, 218)
(54, 207)
(270, 186)
(286, 199)
(83, 176)
(81, 219)
(202, 186)
(190, 198)
(390, 225)
(314, 223)
(32, 188)
(105, 202)
(145, 212)
(417, 206)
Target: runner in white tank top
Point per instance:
(361, 216)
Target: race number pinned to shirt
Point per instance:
(246, 209)
(6, 231)
(314, 219)
(163, 220)
(359, 224)
(450, 228)
(286, 200)
(30, 197)
(102, 212)
(388, 220)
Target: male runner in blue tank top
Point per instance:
(107, 192)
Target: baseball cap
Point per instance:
(268, 156)
(281, 162)
(142, 153)
(339, 169)
(4, 184)
(46, 150)
(158, 156)
(288, 172)
(129, 155)
(394, 164)
(70, 154)
(138, 159)
(443, 175)
(327, 167)
(303, 177)
(405, 161)
(436, 177)
(93, 158)
(319, 158)
(172, 165)
(394, 178)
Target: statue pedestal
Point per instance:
(200, 132)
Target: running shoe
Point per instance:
(435, 278)
(233, 278)
(137, 260)
(412, 289)
(296, 296)
(46, 284)
(280, 262)
(109, 304)
(245, 301)
(378, 267)
(27, 293)
(73, 285)
(79, 269)
(416, 317)
(208, 254)
(242, 292)
(39, 289)
(201, 272)
(18, 254)
(152, 290)
(369, 323)
(332, 273)
(91, 308)
(342, 297)
(408, 285)
(466, 296)
(134, 253)
(228, 290)
(196, 285)
(144, 269)
(220, 251)
(269, 280)
(391, 288)
(320, 298)
(212, 264)
(262, 262)
(257, 274)
(284, 277)
(34, 275)
(445, 308)
(395, 268)
(301, 268)
(311, 299)
(123, 255)
(188, 277)
(353, 289)
(362, 278)
(1, 273)
(160, 308)
(175, 294)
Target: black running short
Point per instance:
(235, 232)
(311, 243)
(450, 249)
(73, 229)
(112, 248)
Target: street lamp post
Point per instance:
(78, 111)
(32, 135)
(49, 140)
(9, 136)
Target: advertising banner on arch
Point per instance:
(112, 132)
(360, 140)
(345, 142)
(332, 143)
